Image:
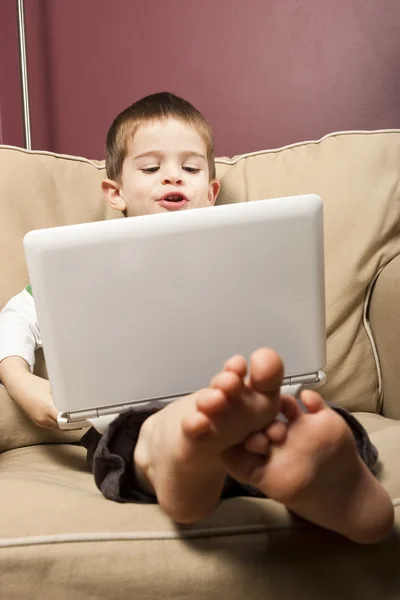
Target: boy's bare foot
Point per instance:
(178, 454)
(312, 466)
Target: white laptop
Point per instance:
(149, 308)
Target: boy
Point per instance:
(224, 440)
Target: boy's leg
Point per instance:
(162, 437)
(179, 451)
(313, 466)
(110, 456)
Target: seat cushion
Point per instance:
(61, 539)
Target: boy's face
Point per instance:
(165, 169)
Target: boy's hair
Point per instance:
(156, 107)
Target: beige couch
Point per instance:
(59, 538)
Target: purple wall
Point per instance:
(264, 73)
(11, 131)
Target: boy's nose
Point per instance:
(172, 179)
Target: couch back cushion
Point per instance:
(39, 189)
(357, 174)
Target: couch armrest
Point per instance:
(16, 430)
(384, 317)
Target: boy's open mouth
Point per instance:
(173, 198)
(173, 201)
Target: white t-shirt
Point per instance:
(19, 329)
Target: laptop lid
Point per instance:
(145, 308)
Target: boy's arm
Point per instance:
(30, 392)
(19, 339)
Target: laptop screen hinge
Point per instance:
(81, 418)
(81, 415)
(314, 378)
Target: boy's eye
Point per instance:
(191, 169)
(150, 169)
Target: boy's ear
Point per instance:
(112, 193)
(213, 191)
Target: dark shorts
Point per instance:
(110, 457)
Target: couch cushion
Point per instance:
(40, 189)
(63, 540)
(384, 316)
(357, 175)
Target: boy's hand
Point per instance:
(37, 402)
(31, 393)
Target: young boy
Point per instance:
(224, 440)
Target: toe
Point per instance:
(276, 432)
(196, 424)
(289, 408)
(237, 364)
(312, 401)
(257, 443)
(227, 381)
(243, 465)
(211, 401)
(266, 371)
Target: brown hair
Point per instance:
(156, 107)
